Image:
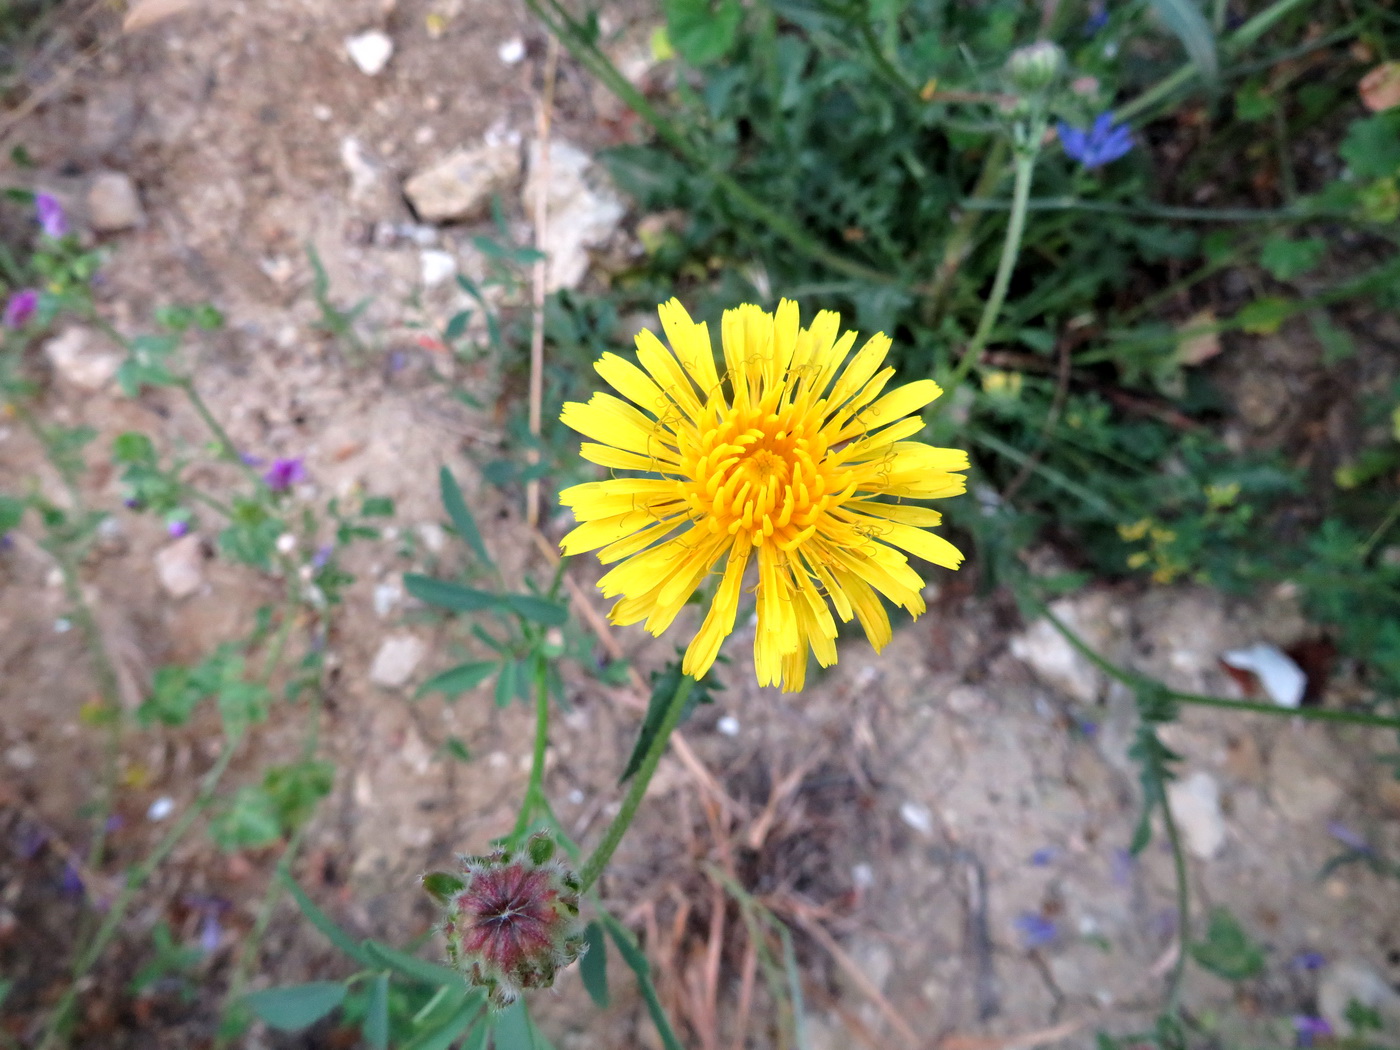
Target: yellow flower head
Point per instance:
(780, 462)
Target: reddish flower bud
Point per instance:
(512, 918)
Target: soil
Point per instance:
(944, 827)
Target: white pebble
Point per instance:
(286, 543)
(728, 725)
(512, 51)
(369, 51)
(917, 816)
(161, 808)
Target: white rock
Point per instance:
(83, 358)
(917, 816)
(436, 266)
(1195, 804)
(728, 725)
(386, 597)
(459, 187)
(180, 566)
(512, 51)
(1283, 680)
(1054, 660)
(433, 536)
(21, 757)
(1349, 980)
(584, 211)
(113, 203)
(160, 808)
(397, 659)
(370, 51)
(363, 169)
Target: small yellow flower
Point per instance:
(778, 463)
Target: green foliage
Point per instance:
(173, 961)
(1228, 951)
(664, 685)
(260, 814)
(593, 967)
(296, 1006)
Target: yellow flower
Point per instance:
(779, 464)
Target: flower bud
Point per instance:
(511, 918)
(1035, 67)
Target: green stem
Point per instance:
(595, 864)
(1183, 903)
(1010, 249)
(959, 242)
(980, 202)
(59, 1020)
(1138, 681)
(226, 445)
(534, 792)
(1380, 531)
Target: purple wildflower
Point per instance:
(1347, 837)
(114, 823)
(284, 473)
(1102, 144)
(1122, 864)
(31, 842)
(1043, 857)
(210, 933)
(50, 215)
(322, 557)
(1308, 961)
(21, 307)
(1098, 18)
(1036, 930)
(71, 883)
(250, 460)
(1310, 1028)
(177, 528)
(132, 503)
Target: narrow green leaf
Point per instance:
(505, 684)
(411, 965)
(458, 750)
(1228, 951)
(462, 519)
(447, 595)
(637, 962)
(376, 1026)
(451, 1029)
(441, 885)
(541, 610)
(322, 921)
(458, 680)
(296, 1006)
(593, 967)
(1186, 20)
(512, 1029)
(663, 687)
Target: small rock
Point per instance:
(728, 725)
(1195, 804)
(459, 187)
(21, 757)
(83, 358)
(1350, 980)
(433, 535)
(113, 203)
(917, 816)
(584, 211)
(397, 659)
(1054, 660)
(386, 597)
(512, 51)
(160, 809)
(363, 169)
(370, 51)
(180, 566)
(436, 266)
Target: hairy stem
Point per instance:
(595, 864)
(534, 791)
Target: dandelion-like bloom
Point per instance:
(795, 461)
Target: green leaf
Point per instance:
(1264, 316)
(1337, 343)
(249, 821)
(1185, 19)
(512, 1028)
(458, 750)
(701, 31)
(442, 885)
(296, 1006)
(1372, 146)
(505, 684)
(375, 1028)
(377, 507)
(540, 610)
(455, 681)
(322, 921)
(296, 789)
(11, 511)
(637, 962)
(593, 967)
(412, 966)
(451, 1029)
(1227, 950)
(447, 595)
(462, 519)
(1286, 259)
(134, 448)
(663, 687)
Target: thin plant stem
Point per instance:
(959, 242)
(1139, 681)
(595, 864)
(534, 791)
(980, 202)
(1010, 251)
(226, 445)
(59, 1019)
(1183, 903)
(1381, 530)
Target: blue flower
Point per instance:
(1036, 930)
(1098, 18)
(1102, 144)
(1310, 1028)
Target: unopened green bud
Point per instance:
(1035, 67)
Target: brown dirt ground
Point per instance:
(891, 813)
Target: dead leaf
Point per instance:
(144, 13)
(1199, 339)
(1380, 88)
